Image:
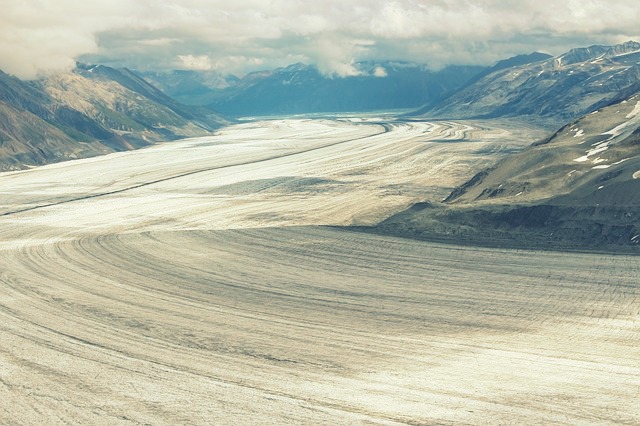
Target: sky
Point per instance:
(38, 37)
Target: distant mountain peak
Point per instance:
(301, 88)
(522, 60)
(596, 52)
(624, 48)
(298, 66)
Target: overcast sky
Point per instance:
(237, 36)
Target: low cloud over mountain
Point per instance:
(238, 37)
(303, 88)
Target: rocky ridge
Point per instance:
(555, 89)
(89, 111)
(577, 189)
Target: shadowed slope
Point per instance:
(578, 188)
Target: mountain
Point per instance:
(190, 87)
(578, 188)
(555, 88)
(572, 164)
(300, 88)
(89, 111)
(128, 105)
(514, 61)
(27, 132)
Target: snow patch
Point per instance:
(636, 111)
(636, 175)
(614, 134)
(598, 149)
(579, 133)
(618, 130)
(600, 187)
(602, 166)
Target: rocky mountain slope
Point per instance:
(302, 88)
(578, 188)
(91, 110)
(557, 88)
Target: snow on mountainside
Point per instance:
(579, 188)
(593, 160)
(558, 89)
(599, 53)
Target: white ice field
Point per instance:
(194, 283)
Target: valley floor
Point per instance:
(193, 282)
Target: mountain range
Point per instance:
(89, 111)
(550, 89)
(300, 88)
(579, 188)
(190, 87)
(557, 89)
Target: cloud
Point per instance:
(206, 63)
(191, 62)
(335, 55)
(40, 36)
(379, 72)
